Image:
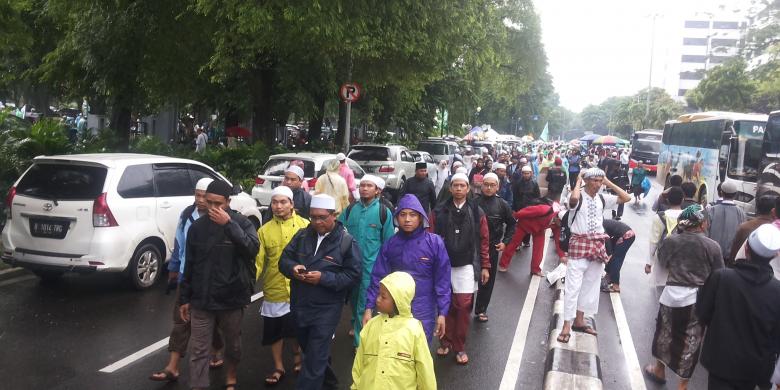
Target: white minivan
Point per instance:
(103, 212)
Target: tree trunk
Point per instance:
(263, 128)
(340, 136)
(120, 122)
(316, 119)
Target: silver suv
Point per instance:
(393, 163)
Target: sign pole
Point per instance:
(346, 127)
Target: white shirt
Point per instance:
(200, 142)
(590, 218)
(319, 241)
(678, 296)
(274, 309)
(624, 158)
(462, 279)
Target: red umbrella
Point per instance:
(238, 131)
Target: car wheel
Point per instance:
(401, 186)
(49, 276)
(144, 267)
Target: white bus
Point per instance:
(706, 148)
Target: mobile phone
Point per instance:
(301, 270)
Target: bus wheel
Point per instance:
(703, 196)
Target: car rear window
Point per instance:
(433, 148)
(276, 167)
(370, 154)
(62, 181)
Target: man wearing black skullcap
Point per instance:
(218, 282)
(421, 186)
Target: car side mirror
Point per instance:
(237, 189)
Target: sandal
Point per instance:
(230, 385)
(563, 338)
(502, 269)
(443, 351)
(274, 378)
(216, 362)
(164, 376)
(482, 317)
(462, 358)
(648, 371)
(614, 289)
(297, 363)
(584, 329)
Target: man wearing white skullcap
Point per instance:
(525, 190)
(504, 187)
(740, 308)
(293, 179)
(370, 222)
(323, 263)
(274, 235)
(587, 251)
(180, 333)
(463, 227)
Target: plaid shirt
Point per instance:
(589, 246)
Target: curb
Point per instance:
(12, 273)
(576, 364)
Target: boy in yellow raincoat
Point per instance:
(393, 351)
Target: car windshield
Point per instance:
(434, 148)
(276, 167)
(647, 146)
(370, 154)
(63, 181)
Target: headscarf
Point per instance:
(691, 217)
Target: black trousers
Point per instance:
(316, 373)
(718, 383)
(486, 290)
(573, 180)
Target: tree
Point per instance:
(727, 87)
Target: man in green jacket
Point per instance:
(364, 221)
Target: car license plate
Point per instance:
(48, 228)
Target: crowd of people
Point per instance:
(416, 273)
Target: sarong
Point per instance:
(677, 339)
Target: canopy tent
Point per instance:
(610, 140)
(589, 137)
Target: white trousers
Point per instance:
(582, 287)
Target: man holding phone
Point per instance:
(323, 262)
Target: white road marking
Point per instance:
(512, 368)
(635, 375)
(17, 280)
(148, 350)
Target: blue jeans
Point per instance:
(616, 263)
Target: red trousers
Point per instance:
(536, 254)
(457, 322)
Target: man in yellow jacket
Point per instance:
(277, 319)
(393, 351)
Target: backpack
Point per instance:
(566, 224)
(383, 207)
(186, 214)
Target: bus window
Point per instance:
(745, 154)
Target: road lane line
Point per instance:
(148, 350)
(17, 280)
(512, 368)
(635, 375)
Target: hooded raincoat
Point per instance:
(274, 236)
(424, 256)
(393, 352)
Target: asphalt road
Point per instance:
(60, 336)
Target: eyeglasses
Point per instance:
(320, 218)
(491, 185)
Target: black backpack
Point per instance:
(383, 207)
(566, 224)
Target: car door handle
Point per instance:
(165, 205)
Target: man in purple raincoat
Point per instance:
(424, 256)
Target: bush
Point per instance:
(240, 165)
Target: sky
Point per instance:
(601, 48)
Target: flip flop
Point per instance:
(442, 351)
(297, 363)
(654, 378)
(164, 376)
(216, 362)
(482, 317)
(502, 269)
(272, 379)
(462, 358)
(563, 338)
(584, 329)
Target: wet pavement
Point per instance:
(60, 335)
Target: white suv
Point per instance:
(103, 212)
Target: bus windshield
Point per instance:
(772, 138)
(647, 146)
(745, 154)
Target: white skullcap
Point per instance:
(459, 176)
(203, 184)
(492, 176)
(593, 172)
(461, 170)
(378, 181)
(614, 154)
(765, 241)
(457, 164)
(323, 201)
(526, 168)
(523, 160)
(499, 166)
(282, 190)
(296, 170)
(729, 187)
(341, 157)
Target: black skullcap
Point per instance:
(219, 187)
(420, 165)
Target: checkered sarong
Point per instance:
(589, 246)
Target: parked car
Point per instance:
(393, 163)
(313, 167)
(420, 156)
(103, 212)
(439, 149)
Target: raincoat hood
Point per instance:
(401, 286)
(411, 202)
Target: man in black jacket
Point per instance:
(740, 308)
(322, 262)
(421, 187)
(501, 227)
(218, 281)
(525, 190)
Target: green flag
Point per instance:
(545, 132)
